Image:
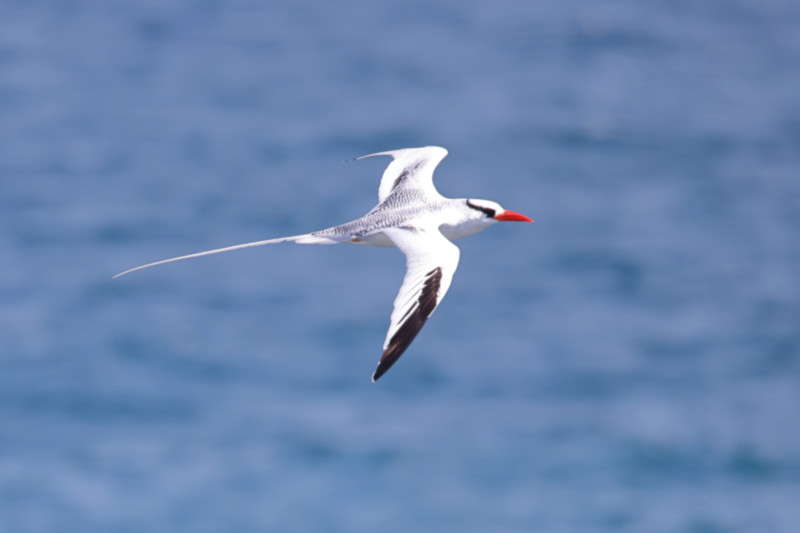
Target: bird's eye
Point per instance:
(488, 211)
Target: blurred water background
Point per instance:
(628, 363)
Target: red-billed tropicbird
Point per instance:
(414, 217)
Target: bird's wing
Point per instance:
(410, 168)
(431, 261)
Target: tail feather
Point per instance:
(306, 238)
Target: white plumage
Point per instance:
(412, 216)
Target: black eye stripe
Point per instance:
(488, 211)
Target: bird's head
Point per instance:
(488, 211)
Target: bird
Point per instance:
(412, 216)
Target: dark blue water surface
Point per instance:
(628, 363)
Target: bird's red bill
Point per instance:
(511, 216)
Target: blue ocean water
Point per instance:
(628, 363)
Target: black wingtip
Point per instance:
(413, 323)
(383, 366)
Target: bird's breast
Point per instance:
(463, 229)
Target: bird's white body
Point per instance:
(412, 216)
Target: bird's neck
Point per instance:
(462, 221)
